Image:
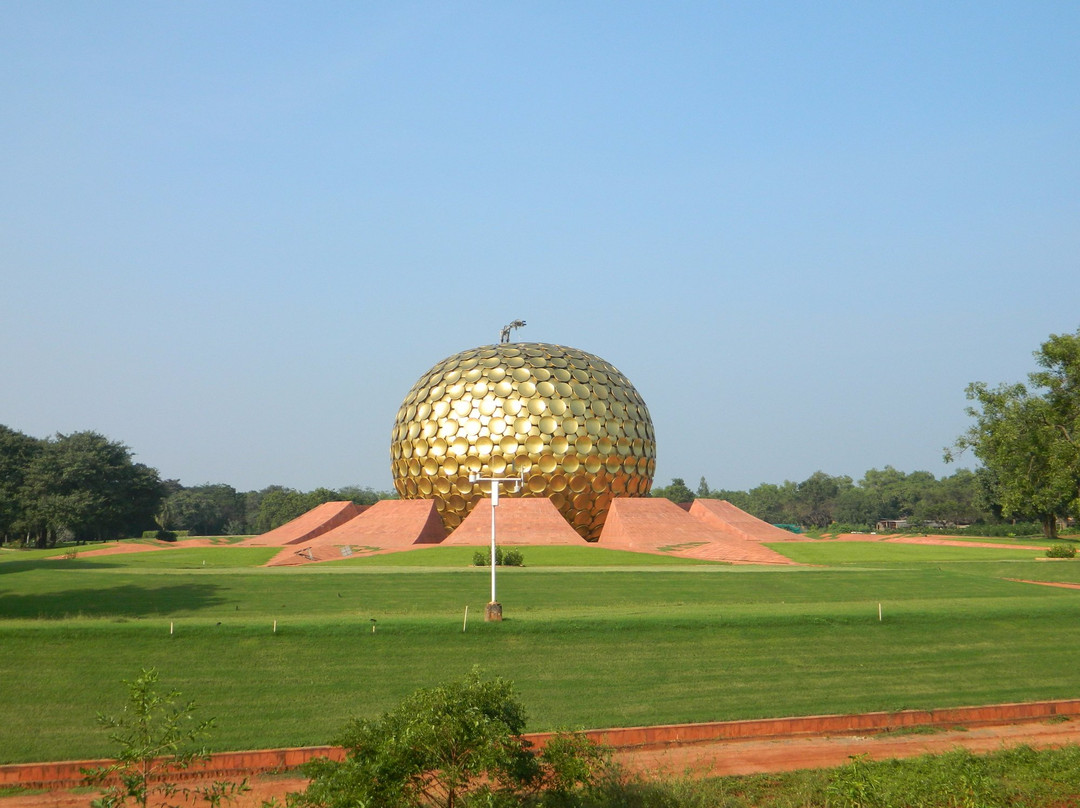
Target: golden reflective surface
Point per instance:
(568, 421)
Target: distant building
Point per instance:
(892, 524)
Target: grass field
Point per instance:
(592, 637)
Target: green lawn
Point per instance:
(592, 637)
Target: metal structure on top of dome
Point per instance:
(571, 424)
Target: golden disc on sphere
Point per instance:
(570, 422)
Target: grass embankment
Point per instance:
(588, 644)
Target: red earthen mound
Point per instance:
(518, 520)
(306, 527)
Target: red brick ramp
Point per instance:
(737, 523)
(388, 525)
(657, 525)
(306, 527)
(518, 520)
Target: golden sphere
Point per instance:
(568, 422)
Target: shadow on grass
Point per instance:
(118, 601)
(53, 564)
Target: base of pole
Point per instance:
(493, 612)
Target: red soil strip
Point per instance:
(940, 541)
(136, 547)
(1062, 584)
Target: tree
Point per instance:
(676, 492)
(206, 510)
(442, 746)
(816, 498)
(16, 453)
(1029, 440)
(87, 486)
(703, 488)
(773, 503)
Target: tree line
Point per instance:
(822, 500)
(85, 487)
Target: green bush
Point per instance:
(454, 745)
(166, 535)
(503, 558)
(1061, 551)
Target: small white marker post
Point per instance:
(466, 622)
(879, 612)
(170, 628)
(275, 626)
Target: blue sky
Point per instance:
(232, 235)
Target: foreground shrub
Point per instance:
(458, 744)
(156, 735)
(1061, 551)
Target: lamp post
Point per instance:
(493, 611)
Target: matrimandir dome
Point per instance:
(569, 423)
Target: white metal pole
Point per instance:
(494, 502)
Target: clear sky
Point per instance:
(234, 234)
